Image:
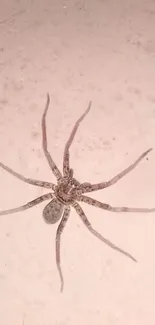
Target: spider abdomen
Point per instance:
(53, 211)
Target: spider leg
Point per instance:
(27, 180)
(86, 222)
(108, 207)
(51, 163)
(71, 179)
(95, 187)
(28, 205)
(58, 237)
(70, 140)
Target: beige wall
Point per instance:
(78, 51)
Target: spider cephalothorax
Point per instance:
(68, 192)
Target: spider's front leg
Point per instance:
(85, 188)
(28, 180)
(66, 165)
(51, 162)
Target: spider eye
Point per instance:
(53, 211)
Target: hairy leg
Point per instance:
(108, 207)
(66, 166)
(58, 237)
(84, 188)
(51, 163)
(28, 205)
(28, 180)
(86, 222)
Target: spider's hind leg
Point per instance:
(28, 205)
(86, 222)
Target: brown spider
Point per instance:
(68, 191)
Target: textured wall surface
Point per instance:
(78, 51)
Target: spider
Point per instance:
(69, 192)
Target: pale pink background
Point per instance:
(77, 51)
